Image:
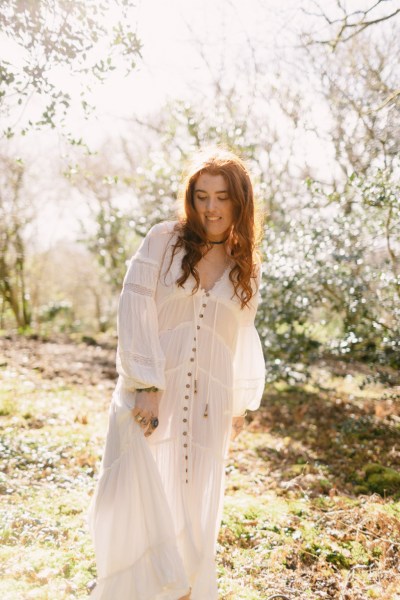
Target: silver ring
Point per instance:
(139, 418)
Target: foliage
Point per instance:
(334, 268)
(83, 37)
(111, 238)
(110, 244)
(381, 480)
(60, 313)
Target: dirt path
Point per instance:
(74, 363)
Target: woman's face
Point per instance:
(213, 205)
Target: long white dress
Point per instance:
(157, 507)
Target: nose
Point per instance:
(211, 204)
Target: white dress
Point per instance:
(157, 507)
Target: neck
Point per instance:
(216, 252)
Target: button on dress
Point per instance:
(157, 507)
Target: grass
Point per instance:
(299, 516)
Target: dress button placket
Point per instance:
(184, 433)
(185, 445)
(188, 386)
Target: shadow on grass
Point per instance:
(327, 440)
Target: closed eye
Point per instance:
(221, 198)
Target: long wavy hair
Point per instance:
(245, 231)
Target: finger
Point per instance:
(146, 422)
(138, 414)
(141, 418)
(149, 430)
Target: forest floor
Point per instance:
(303, 516)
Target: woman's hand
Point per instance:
(237, 426)
(145, 412)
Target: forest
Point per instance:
(102, 104)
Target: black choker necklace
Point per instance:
(221, 242)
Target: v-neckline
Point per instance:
(201, 288)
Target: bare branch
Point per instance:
(387, 101)
(350, 24)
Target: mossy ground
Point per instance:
(300, 517)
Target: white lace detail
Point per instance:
(149, 262)
(138, 289)
(146, 361)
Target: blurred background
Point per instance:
(101, 105)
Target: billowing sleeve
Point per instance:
(248, 362)
(140, 359)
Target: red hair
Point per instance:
(244, 234)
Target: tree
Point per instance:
(356, 89)
(15, 214)
(343, 24)
(331, 281)
(44, 44)
(331, 276)
(105, 183)
(52, 39)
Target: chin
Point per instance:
(219, 233)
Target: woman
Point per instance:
(190, 363)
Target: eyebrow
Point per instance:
(205, 192)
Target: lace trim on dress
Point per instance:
(149, 262)
(147, 361)
(138, 289)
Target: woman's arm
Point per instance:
(140, 359)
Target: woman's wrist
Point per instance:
(243, 415)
